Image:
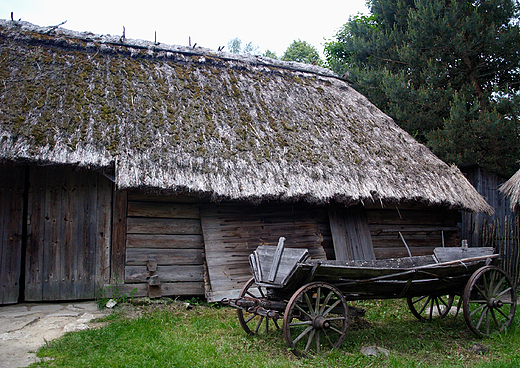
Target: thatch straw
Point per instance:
(511, 188)
(236, 127)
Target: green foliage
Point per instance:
(440, 68)
(270, 54)
(168, 335)
(302, 52)
(235, 47)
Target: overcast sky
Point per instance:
(269, 24)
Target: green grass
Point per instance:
(171, 336)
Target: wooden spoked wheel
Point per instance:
(429, 307)
(315, 319)
(489, 301)
(253, 323)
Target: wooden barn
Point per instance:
(161, 168)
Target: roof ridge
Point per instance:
(111, 40)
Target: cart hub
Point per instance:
(495, 303)
(320, 322)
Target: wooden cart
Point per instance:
(311, 295)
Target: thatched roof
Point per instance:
(235, 127)
(511, 188)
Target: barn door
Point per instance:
(68, 242)
(12, 180)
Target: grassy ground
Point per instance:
(169, 335)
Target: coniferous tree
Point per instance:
(448, 72)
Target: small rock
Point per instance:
(74, 327)
(111, 304)
(374, 351)
(188, 305)
(479, 349)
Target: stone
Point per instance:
(111, 304)
(374, 351)
(479, 349)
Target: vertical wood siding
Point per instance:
(12, 181)
(68, 234)
(487, 185)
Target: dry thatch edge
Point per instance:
(511, 188)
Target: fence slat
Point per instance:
(504, 238)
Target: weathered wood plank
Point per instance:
(164, 241)
(182, 273)
(139, 256)
(350, 233)
(429, 216)
(163, 226)
(117, 257)
(163, 210)
(11, 222)
(104, 231)
(232, 232)
(51, 256)
(178, 198)
(450, 254)
(383, 253)
(182, 288)
(34, 276)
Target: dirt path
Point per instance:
(25, 327)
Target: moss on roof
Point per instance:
(239, 127)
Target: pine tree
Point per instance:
(447, 71)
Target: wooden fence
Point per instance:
(504, 237)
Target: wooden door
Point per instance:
(68, 244)
(12, 180)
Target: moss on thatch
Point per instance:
(237, 127)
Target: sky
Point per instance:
(268, 24)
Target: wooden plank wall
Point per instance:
(350, 233)
(167, 231)
(487, 185)
(233, 231)
(68, 246)
(12, 183)
(422, 228)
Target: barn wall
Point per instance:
(423, 228)
(233, 231)
(12, 183)
(487, 184)
(164, 246)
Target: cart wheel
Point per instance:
(429, 307)
(315, 318)
(489, 301)
(251, 322)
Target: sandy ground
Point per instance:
(26, 327)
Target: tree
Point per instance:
(235, 46)
(302, 52)
(270, 54)
(448, 72)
